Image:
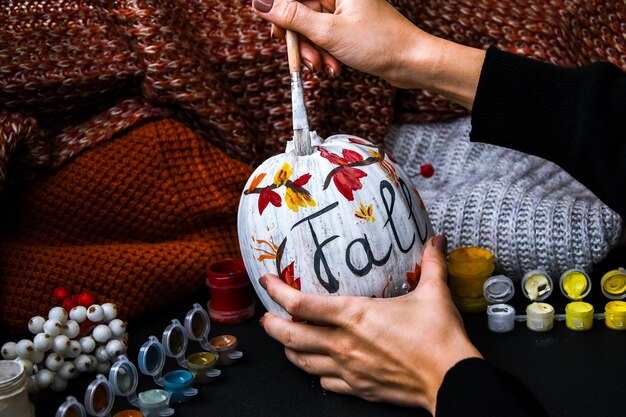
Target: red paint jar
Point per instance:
(232, 298)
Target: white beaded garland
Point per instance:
(78, 314)
(35, 324)
(68, 370)
(87, 344)
(61, 345)
(54, 362)
(31, 385)
(8, 351)
(84, 362)
(37, 356)
(75, 349)
(101, 333)
(24, 348)
(118, 327)
(53, 327)
(101, 354)
(115, 347)
(71, 329)
(42, 342)
(58, 384)
(27, 364)
(110, 311)
(58, 313)
(44, 378)
(95, 313)
(103, 367)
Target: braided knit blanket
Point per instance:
(109, 218)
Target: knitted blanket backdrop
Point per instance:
(74, 74)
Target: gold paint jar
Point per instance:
(613, 284)
(615, 315)
(468, 269)
(579, 316)
(540, 317)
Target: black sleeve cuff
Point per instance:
(472, 387)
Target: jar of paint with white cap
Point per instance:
(575, 284)
(497, 290)
(537, 286)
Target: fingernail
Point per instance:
(308, 65)
(263, 6)
(263, 282)
(271, 31)
(330, 70)
(441, 243)
(261, 320)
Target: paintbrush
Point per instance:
(301, 139)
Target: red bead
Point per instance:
(61, 293)
(69, 303)
(427, 170)
(86, 299)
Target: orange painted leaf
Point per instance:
(256, 181)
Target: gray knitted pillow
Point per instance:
(526, 210)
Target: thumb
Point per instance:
(292, 15)
(434, 266)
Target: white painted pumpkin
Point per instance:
(344, 220)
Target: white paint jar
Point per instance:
(13, 394)
(540, 317)
(500, 318)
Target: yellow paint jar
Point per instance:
(615, 315)
(536, 285)
(468, 269)
(575, 284)
(579, 316)
(540, 317)
(613, 284)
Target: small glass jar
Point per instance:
(468, 269)
(232, 297)
(13, 393)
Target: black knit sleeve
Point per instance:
(473, 387)
(575, 117)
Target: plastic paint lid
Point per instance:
(498, 289)
(613, 284)
(575, 284)
(99, 397)
(537, 285)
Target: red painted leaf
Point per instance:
(268, 196)
(348, 180)
(302, 180)
(351, 156)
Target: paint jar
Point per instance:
(498, 290)
(225, 347)
(575, 284)
(540, 317)
(71, 408)
(615, 315)
(579, 316)
(536, 285)
(151, 359)
(613, 284)
(202, 366)
(123, 378)
(198, 325)
(468, 269)
(179, 385)
(175, 341)
(13, 394)
(128, 413)
(99, 397)
(500, 318)
(232, 297)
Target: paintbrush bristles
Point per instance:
(302, 142)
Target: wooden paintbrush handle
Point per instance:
(293, 51)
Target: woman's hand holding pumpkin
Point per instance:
(373, 37)
(394, 349)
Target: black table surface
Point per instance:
(572, 373)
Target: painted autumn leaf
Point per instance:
(366, 213)
(413, 278)
(288, 276)
(268, 196)
(347, 179)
